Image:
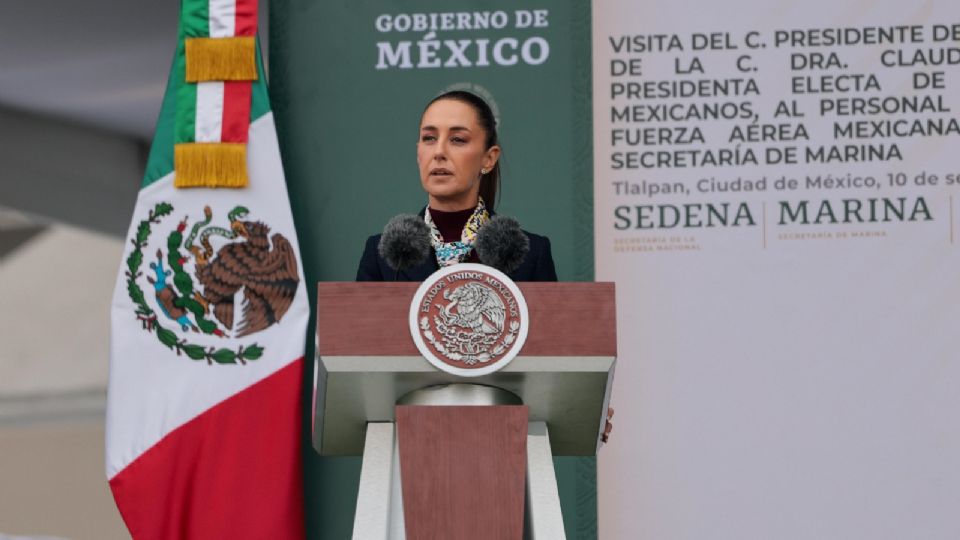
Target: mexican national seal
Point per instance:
(469, 319)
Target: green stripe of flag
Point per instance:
(195, 18)
(160, 159)
(186, 99)
(260, 96)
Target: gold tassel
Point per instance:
(210, 165)
(221, 59)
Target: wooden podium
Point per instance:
(446, 456)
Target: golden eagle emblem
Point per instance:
(263, 267)
(197, 280)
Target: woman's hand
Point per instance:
(608, 427)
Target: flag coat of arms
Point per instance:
(210, 311)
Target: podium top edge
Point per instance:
(576, 318)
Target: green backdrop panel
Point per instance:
(348, 133)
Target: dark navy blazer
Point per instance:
(536, 266)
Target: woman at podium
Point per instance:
(458, 159)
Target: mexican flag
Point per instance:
(210, 310)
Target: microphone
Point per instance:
(405, 242)
(501, 244)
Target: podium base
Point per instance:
(463, 449)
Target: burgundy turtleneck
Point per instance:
(450, 225)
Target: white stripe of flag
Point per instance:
(223, 18)
(209, 125)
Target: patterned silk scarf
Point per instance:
(450, 253)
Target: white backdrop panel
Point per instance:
(780, 379)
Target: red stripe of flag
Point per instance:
(246, 23)
(234, 471)
(236, 111)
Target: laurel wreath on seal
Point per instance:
(182, 280)
(469, 359)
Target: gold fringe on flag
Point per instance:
(210, 165)
(221, 59)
